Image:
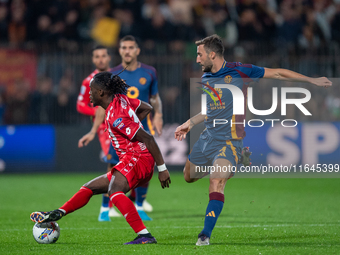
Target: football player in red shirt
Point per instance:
(137, 151)
(101, 59)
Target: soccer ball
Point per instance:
(46, 232)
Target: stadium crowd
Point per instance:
(308, 23)
(267, 27)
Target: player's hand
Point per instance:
(158, 123)
(182, 130)
(86, 139)
(322, 82)
(164, 178)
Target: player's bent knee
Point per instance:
(187, 177)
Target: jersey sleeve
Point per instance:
(135, 103)
(83, 102)
(256, 72)
(154, 84)
(127, 123)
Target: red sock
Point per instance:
(127, 208)
(78, 200)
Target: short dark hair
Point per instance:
(100, 47)
(111, 83)
(212, 43)
(129, 38)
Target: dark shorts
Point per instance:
(206, 150)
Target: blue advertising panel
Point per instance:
(307, 143)
(28, 148)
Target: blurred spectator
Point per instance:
(128, 26)
(308, 40)
(43, 32)
(64, 110)
(335, 24)
(42, 102)
(17, 103)
(105, 30)
(250, 28)
(159, 29)
(71, 24)
(3, 23)
(66, 83)
(291, 26)
(17, 25)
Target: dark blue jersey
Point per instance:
(233, 73)
(143, 84)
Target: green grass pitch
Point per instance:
(260, 216)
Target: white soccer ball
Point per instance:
(46, 232)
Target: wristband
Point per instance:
(161, 168)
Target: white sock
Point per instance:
(139, 208)
(142, 232)
(103, 209)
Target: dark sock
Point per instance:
(214, 208)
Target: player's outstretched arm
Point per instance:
(288, 75)
(157, 122)
(150, 143)
(182, 130)
(86, 139)
(143, 110)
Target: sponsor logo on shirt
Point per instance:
(117, 122)
(121, 125)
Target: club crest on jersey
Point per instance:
(228, 79)
(142, 81)
(117, 122)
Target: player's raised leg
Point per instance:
(96, 186)
(218, 180)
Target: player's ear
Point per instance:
(138, 51)
(212, 55)
(101, 92)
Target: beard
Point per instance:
(207, 68)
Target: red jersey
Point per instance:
(123, 124)
(84, 106)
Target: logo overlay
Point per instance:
(210, 94)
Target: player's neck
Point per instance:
(217, 65)
(105, 103)
(132, 66)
